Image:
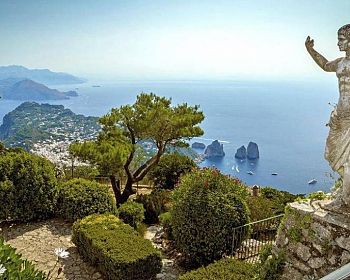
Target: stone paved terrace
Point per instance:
(37, 242)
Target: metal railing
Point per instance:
(341, 273)
(248, 240)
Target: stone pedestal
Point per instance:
(312, 241)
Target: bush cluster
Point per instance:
(16, 267)
(165, 220)
(79, 198)
(132, 213)
(207, 205)
(170, 168)
(225, 269)
(154, 203)
(28, 186)
(271, 202)
(115, 248)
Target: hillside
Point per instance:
(32, 123)
(43, 76)
(28, 90)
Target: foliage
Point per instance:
(207, 205)
(81, 171)
(16, 267)
(319, 195)
(165, 220)
(154, 203)
(225, 269)
(271, 202)
(115, 248)
(271, 265)
(151, 118)
(170, 168)
(79, 198)
(106, 155)
(132, 213)
(28, 187)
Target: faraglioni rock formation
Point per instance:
(252, 151)
(241, 153)
(198, 145)
(215, 149)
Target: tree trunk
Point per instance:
(116, 189)
(128, 190)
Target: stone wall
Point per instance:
(313, 242)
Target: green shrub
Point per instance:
(17, 268)
(170, 168)
(154, 203)
(207, 205)
(272, 267)
(132, 213)
(165, 220)
(79, 198)
(225, 269)
(28, 187)
(118, 251)
(270, 202)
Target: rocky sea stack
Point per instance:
(198, 145)
(215, 149)
(252, 151)
(241, 153)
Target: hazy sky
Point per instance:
(168, 39)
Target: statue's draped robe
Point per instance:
(338, 141)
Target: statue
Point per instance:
(337, 151)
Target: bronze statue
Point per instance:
(338, 142)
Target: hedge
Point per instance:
(15, 267)
(117, 250)
(79, 198)
(225, 269)
(132, 213)
(207, 206)
(28, 187)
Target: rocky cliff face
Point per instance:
(241, 153)
(215, 149)
(252, 151)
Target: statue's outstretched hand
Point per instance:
(309, 43)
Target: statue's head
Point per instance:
(344, 38)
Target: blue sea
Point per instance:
(286, 119)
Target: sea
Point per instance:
(287, 119)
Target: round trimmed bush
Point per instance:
(28, 186)
(170, 168)
(154, 203)
(80, 197)
(207, 205)
(132, 213)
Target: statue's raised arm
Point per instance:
(329, 66)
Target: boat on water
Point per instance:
(237, 169)
(274, 174)
(250, 172)
(312, 181)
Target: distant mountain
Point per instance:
(43, 76)
(17, 89)
(31, 123)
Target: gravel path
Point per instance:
(37, 242)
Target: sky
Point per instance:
(171, 40)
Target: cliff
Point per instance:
(215, 149)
